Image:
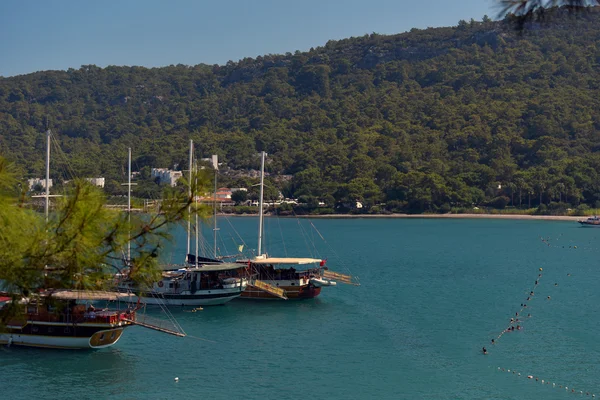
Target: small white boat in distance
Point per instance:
(593, 222)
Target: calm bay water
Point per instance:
(433, 293)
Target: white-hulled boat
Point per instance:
(593, 222)
(205, 285)
(200, 281)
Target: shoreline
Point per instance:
(429, 216)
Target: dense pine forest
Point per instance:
(479, 114)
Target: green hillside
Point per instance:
(421, 121)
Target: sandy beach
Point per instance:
(462, 216)
(479, 216)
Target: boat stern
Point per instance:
(105, 338)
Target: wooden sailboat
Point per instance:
(64, 318)
(285, 278)
(61, 319)
(198, 282)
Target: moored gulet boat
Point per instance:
(200, 281)
(289, 277)
(68, 319)
(296, 278)
(58, 319)
(205, 285)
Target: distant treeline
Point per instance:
(428, 120)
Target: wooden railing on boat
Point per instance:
(275, 291)
(336, 276)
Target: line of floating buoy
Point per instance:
(548, 243)
(515, 320)
(569, 389)
(547, 382)
(520, 322)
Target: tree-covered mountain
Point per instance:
(424, 120)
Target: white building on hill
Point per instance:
(166, 175)
(96, 181)
(38, 182)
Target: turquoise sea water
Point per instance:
(433, 293)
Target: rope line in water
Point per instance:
(547, 382)
(549, 243)
(515, 319)
(568, 388)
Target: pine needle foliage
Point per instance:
(525, 11)
(81, 245)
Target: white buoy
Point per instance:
(176, 379)
(542, 381)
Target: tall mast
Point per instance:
(260, 204)
(196, 214)
(129, 185)
(189, 227)
(215, 229)
(129, 204)
(47, 194)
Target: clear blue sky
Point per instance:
(59, 34)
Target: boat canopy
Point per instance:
(85, 295)
(201, 267)
(286, 260)
(191, 259)
(213, 267)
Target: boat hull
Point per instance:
(62, 335)
(203, 298)
(297, 292)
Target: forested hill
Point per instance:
(420, 121)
